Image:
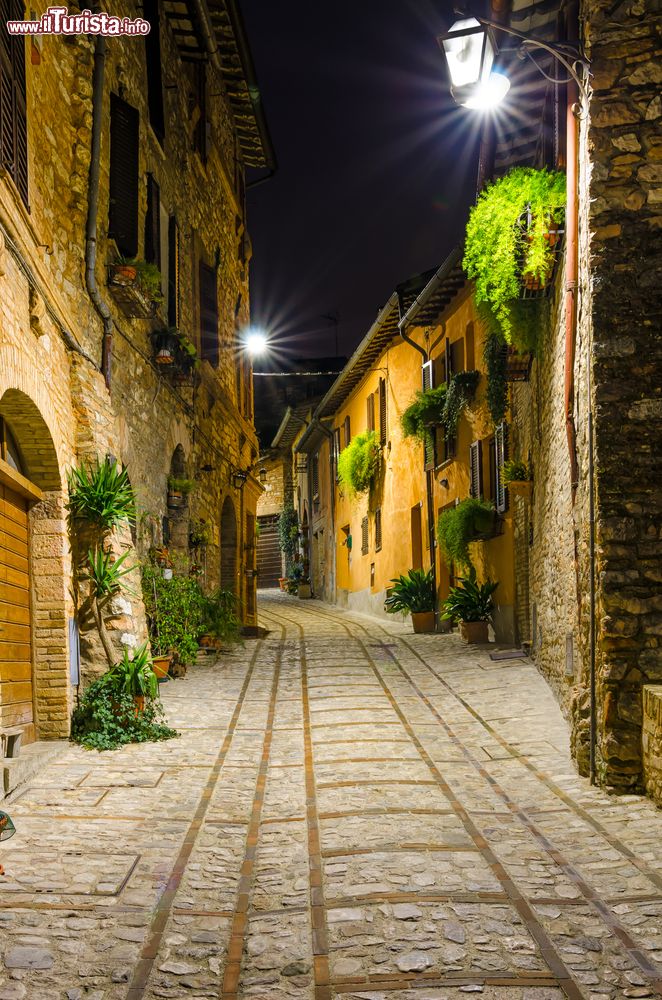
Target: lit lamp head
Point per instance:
(256, 342)
(470, 54)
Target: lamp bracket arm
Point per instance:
(578, 68)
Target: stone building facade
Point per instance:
(178, 125)
(561, 543)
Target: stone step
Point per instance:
(16, 771)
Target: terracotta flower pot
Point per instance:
(139, 702)
(282, 583)
(423, 621)
(474, 632)
(123, 274)
(161, 665)
(520, 488)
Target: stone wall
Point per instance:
(52, 392)
(625, 310)
(651, 741)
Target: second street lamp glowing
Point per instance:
(256, 343)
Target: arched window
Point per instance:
(9, 450)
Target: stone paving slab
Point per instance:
(350, 811)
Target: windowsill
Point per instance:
(444, 464)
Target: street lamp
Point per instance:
(469, 50)
(256, 341)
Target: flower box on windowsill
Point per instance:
(520, 488)
(124, 286)
(487, 524)
(518, 366)
(537, 287)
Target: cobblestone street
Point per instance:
(351, 810)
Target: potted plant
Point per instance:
(516, 476)
(282, 583)
(358, 463)
(136, 677)
(199, 534)
(178, 490)
(440, 407)
(220, 619)
(469, 521)
(471, 605)
(123, 272)
(413, 594)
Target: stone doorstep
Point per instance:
(17, 771)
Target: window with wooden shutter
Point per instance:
(200, 98)
(439, 370)
(378, 529)
(208, 314)
(153, 223)
(476, 470)
(315, 476)
(500, 456)
(13, 111)
(429, 450)
(448, 360)
(370, 411)
(173, 272)
(123, 209)
(153, 64)
(336, 449)
(364, 537)
(383, 410)
(457, 355)
(427, 375)
(348, 431)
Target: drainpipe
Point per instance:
(571, 280)
(93, 210)
(429, 478)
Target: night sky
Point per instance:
(377, 166)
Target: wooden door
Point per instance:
(15, 631)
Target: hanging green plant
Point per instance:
(439, 407)
(288, 536)
(426, 410)
(461, 390)
(495, 358)
(460, 525)
(358, 463)
(508, 236)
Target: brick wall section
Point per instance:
(651, 741)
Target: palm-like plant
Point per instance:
(101, 494)
(136, 677)
(104, 573)
(411, 594)
(471, 601)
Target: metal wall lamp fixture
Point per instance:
(470, 49)
(239, 477)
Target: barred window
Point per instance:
(364, 537)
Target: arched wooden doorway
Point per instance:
(228, 546)
(32, 584)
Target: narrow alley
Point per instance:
(350, 810)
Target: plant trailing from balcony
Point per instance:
(498, 249)
(460, 392)
(439, 407)
(358, 463)
(495, 358)
(458, 526)
(426, 411)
